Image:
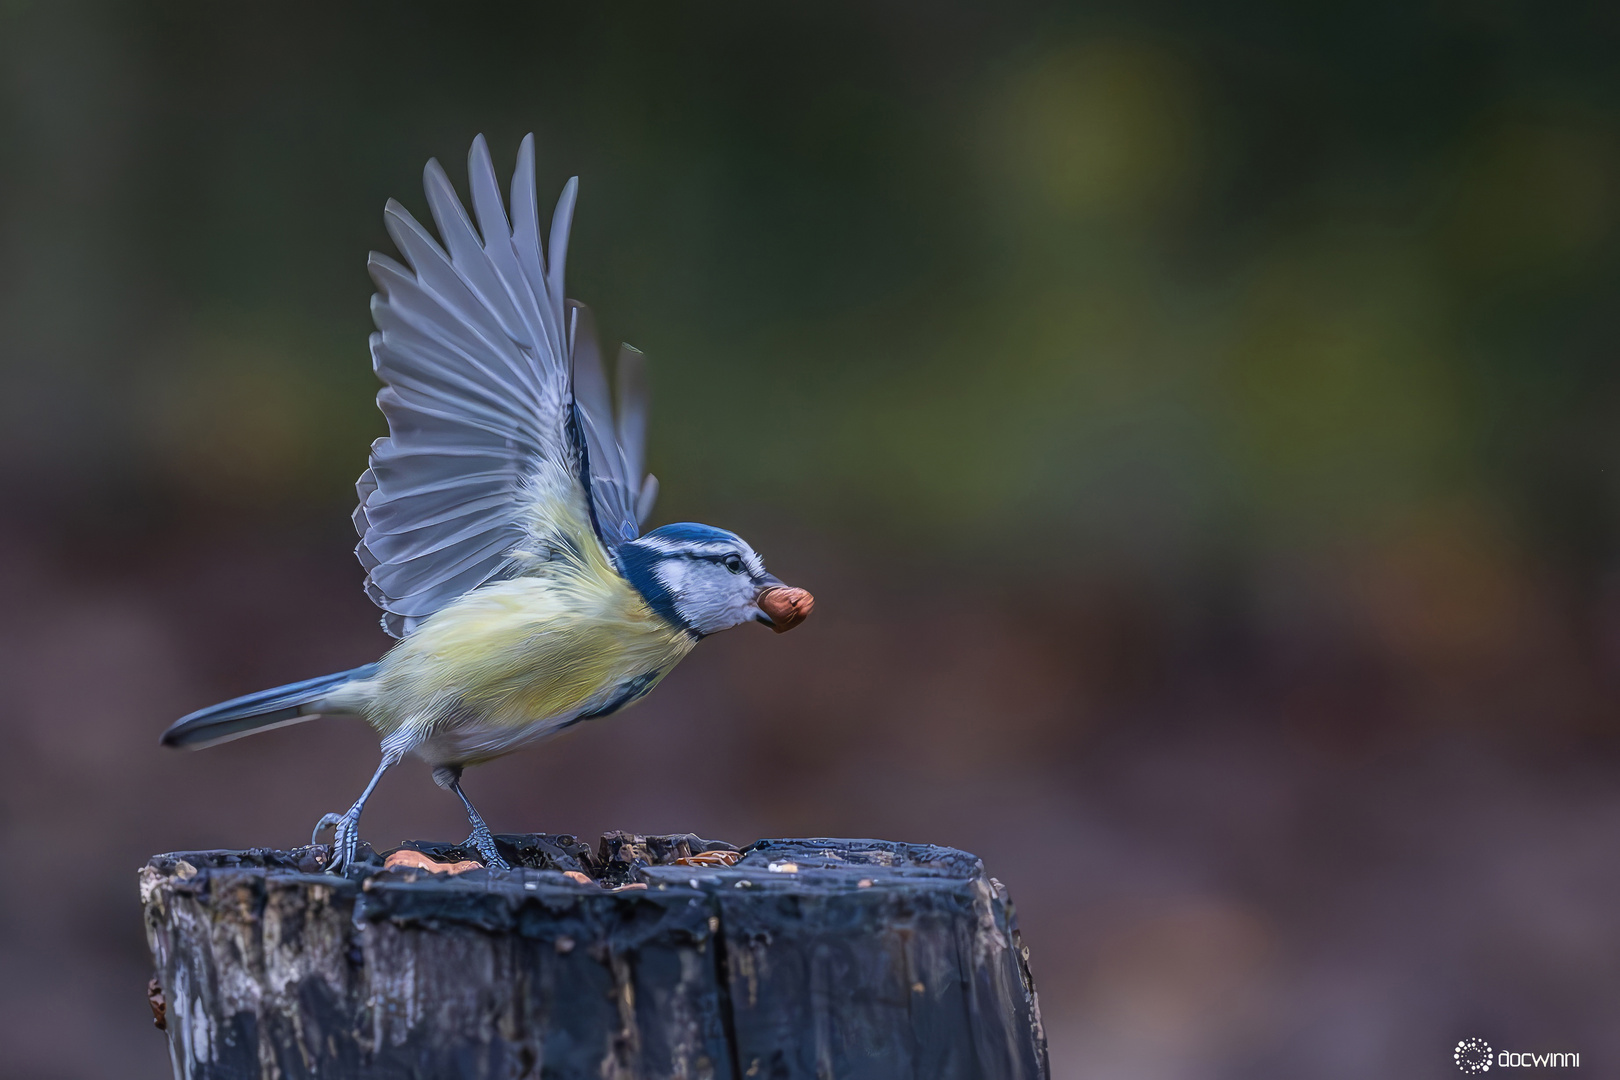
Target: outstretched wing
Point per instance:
(621, 495)
(483, 364)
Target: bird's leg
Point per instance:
(449, 777)
(346, 839)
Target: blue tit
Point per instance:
(500, 518)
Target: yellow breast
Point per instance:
(552, 644)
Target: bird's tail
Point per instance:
(278, 707)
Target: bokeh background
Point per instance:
(1197, 421)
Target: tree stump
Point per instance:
(650, 957)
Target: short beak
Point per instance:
(784, 607)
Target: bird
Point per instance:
(500, 518)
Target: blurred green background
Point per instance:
(1197, 422)
(1159, 281)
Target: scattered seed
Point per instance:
(416, 860)
(154, 998)
(710, 858)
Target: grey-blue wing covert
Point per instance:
(488, 372)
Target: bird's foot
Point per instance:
(345, 840)
(484, 843)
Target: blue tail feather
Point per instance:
(251, 712)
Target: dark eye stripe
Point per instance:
(704, 556)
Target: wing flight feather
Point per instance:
(490, 376)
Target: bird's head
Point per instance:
(705, 580)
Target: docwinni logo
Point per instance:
(1475, 1056)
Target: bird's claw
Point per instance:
(484, 843)
(345, 839)
(328, 821)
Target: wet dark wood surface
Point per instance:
(643, 957)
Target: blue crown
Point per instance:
(693, 532)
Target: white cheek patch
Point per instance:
(708, 598)
(673, 575)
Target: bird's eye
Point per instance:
(734, 564)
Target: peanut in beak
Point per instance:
(785, 606)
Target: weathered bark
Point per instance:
(808, 958)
